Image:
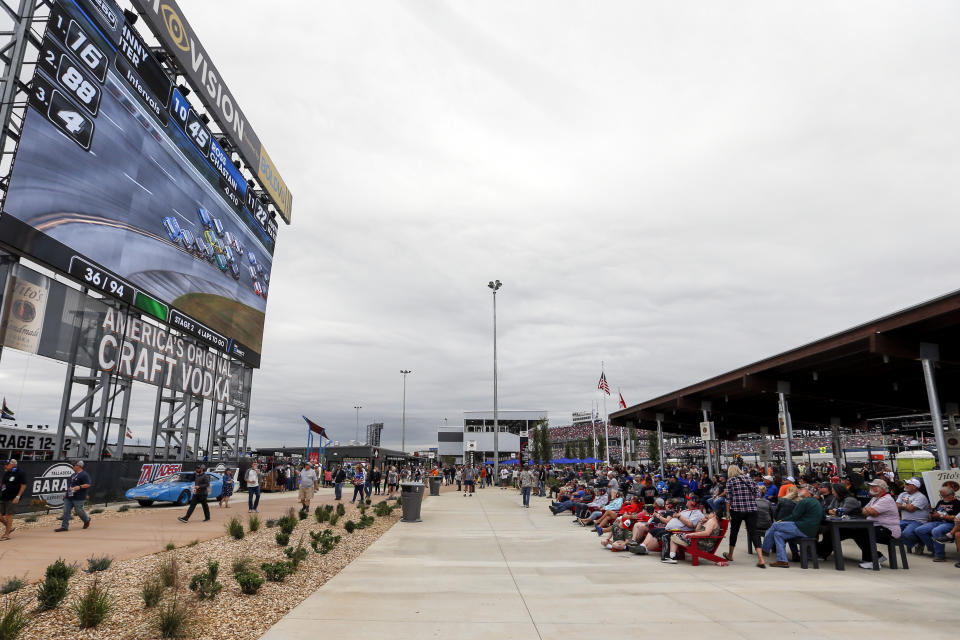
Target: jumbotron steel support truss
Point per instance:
(179, 429)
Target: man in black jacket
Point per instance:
(201, 488)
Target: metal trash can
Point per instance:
(411, 495)
(434, 485)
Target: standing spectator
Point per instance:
(504, 477)
(393, 479)
(12, 487)
(252, 478)
(742, 494)
(458, 476)
(308, 484)
(375, 477)
(201, 489)
(358, 481)
(76, 495)
(368, 480)
(224, 500)
(327, 477)
(526, 485)
(468, 476)
(338, 479)
(541, 480)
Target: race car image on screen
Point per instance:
(143, 201)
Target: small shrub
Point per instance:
(283, 538)
(169, 572)
(173, 619)
(31, 519)
(235, 528)
(60, 569)
(276, 571)
(350, 526)
(13, 584)
(170, 546)
(152, 591)
(193, 543)
(271, 523)
(320, 515)
(98, 563)
(341, 510)
(328, 508)
(250, 582)
(382, 509)
(302, 514)
(243, 564)
(296, 555)
(13, 618)
(93, 606)
(123, 508)
(333, 519)
(367, 502)
(205, 584)
(254, 523)
(96, 511)
(323, 542)
(51, 592)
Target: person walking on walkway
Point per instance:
(253, 488)
(201, 489)
(227, 490)
(526, 485)
(338, 479)
(76, 495)
(504, 475)
(358, 482)
(468, 476)
(741, 495)
(13, 484)
(308, 484)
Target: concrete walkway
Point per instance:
(483, 567)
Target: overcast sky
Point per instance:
(673, 188)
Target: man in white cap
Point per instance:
(914, 511)
(789, 481)
(308, 484)
(770, 490)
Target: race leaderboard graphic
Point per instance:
(119, 181)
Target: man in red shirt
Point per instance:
(612, 519)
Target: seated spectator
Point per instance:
(616, 502)
(787, 502)
(630, 509)
(686, 520)
(846, 504)
(718, 501)
(803, 522)
(882, 510)
(788, 482)
(942, 519)
(570, 500)
(709, 526)
(826, 497)
(770, 490)
(584, 509)
(914, 511)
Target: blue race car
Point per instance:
(173, 488)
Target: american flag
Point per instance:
(603, 384)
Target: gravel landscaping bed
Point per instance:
(230, 614)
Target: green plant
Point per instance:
(13, 584)
(328, 508)
(296, 555)
(173, 619)
(367, 502)
(323, 542)
(333, 519)
(350, 526)
(31, 519)
(276, 571)
(271, 523)
(205, 584)
(341, 510)
(254, 523)
(302, 514)
(170, 546)
(152, 591)
(93, 606)
(243, 564)
(250, 582)
(51, 592)
(98, 563)
(123, 508)
(96, 511)
(13, 618)
(169, 572)
(235, 528)
(283, 538)
(382, 509)
(60, 569)
(193, 543)
(320, 515)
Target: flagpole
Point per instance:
(606, 417)
(593, 427)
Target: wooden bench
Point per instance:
(696, 553)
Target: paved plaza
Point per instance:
(484, 567)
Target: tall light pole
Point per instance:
(357, 437)
(495, 286)
(403, 437)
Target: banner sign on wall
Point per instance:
(23, 325)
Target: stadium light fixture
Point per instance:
(494, 286)
(403, 421)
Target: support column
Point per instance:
(837, 445)
(660, 439)
(930, 353)
(783, 389)
(707, 443)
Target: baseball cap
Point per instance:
(78, 463)
(768, 478)
(791, 479)
(882, 484)
(914, 482)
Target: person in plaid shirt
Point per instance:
(742, 494)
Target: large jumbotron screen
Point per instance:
(119, 182)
